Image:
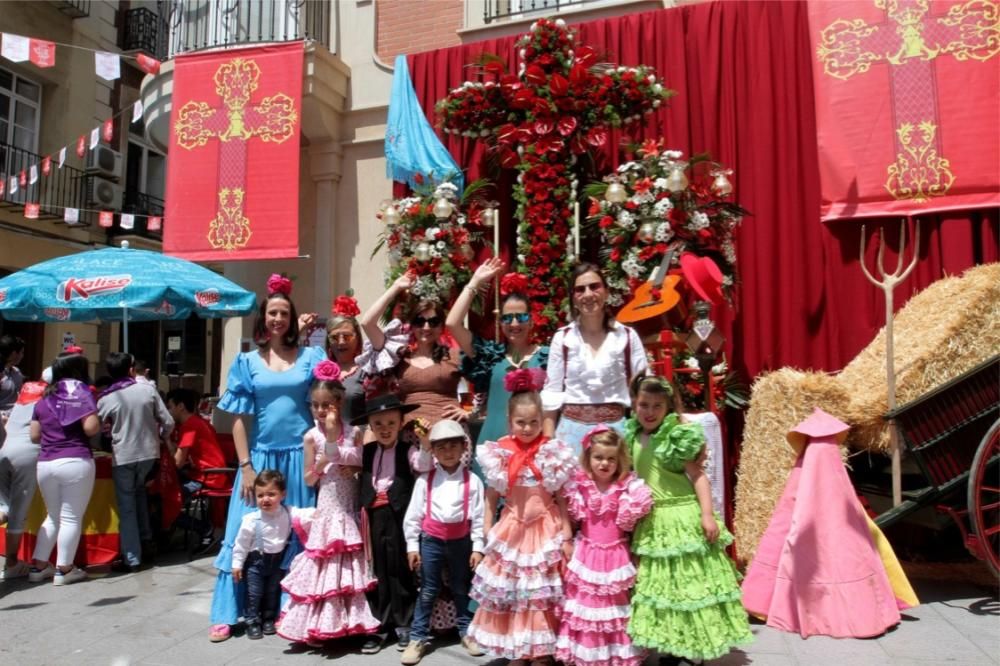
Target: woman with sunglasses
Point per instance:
(486, 362)
(591, 362)
(426, 369)
(343, 345)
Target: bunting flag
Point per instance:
(108, 130)
(904, 91)
(106, 219)
(62, 157)
(233, 172)
(126, 221)
(13, 185)
(33, 171)
(148, 64)
(3, 185)
(137, 110)
(46, 165)
(71, 215)
(15, 47)
(412, 149)
(107, 65)
(95, 138)
(154, 223)
(22, 178)
(42, 53)
(31, 211)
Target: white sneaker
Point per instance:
(39, 575)
(19, 570)
(74, 575)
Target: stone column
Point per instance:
(325, 164)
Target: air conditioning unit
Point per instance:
(104, 194)
(104, 161)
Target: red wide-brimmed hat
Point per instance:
(703, 275)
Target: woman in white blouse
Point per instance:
(591, 362)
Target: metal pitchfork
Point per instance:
(888, 284)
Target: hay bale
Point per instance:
(779, 401)
(948, 328)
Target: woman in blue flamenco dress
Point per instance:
(268, 391)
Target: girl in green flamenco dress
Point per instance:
(686, 600)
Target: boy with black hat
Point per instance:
(388, 469)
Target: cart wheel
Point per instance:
(984, 498)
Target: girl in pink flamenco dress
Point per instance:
(327, 581)
(607, 499)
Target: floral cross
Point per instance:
(560, 104)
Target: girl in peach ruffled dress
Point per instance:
(518, 585)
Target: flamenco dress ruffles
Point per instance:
(687, 595)
(327, 581)
(517, 585)
(601, 574)
(277, 406)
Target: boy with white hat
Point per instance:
(444, 527)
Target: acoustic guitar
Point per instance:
(655, 297)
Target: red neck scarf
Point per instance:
(523, 454)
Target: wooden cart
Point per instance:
(953, 434)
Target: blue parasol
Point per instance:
(120, 284)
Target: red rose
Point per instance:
(566, 125)
(597, 136)
(606, 221)
(558, 85)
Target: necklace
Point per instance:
(518, 361)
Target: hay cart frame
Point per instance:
(953, 434)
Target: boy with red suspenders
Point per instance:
(444, 527)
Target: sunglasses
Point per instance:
(342, 337)
(582, 289)
(433, 322)
(519, 317)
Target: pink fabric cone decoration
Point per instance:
(816, 570)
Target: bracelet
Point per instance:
(474, 290)
(245, 462)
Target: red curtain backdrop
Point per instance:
(233, 172)
(743, 73)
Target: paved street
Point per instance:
(160, 616)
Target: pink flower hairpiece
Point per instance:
(73, 349)
(279, 284)
(345, 306)
(327, 371)
(596, 430)
(524, 379)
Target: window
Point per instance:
(20, 111)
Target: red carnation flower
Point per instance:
(345, 306)
(513, 283)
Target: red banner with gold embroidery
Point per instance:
(906, 105)
(233, 167)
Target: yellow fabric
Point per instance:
(897, 577)
(101, 516)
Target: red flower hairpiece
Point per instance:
(327, 371)
(279, 284)
(513, 283)
(524, 379)
(345, 306)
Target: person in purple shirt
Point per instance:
(64, 421)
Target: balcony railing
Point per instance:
(73, 8)
(145, 30)
(62, 188)
(142, 205)
(206, 24)
(500, 9)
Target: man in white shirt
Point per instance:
(444, 526)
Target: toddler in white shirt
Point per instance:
(260, 548)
